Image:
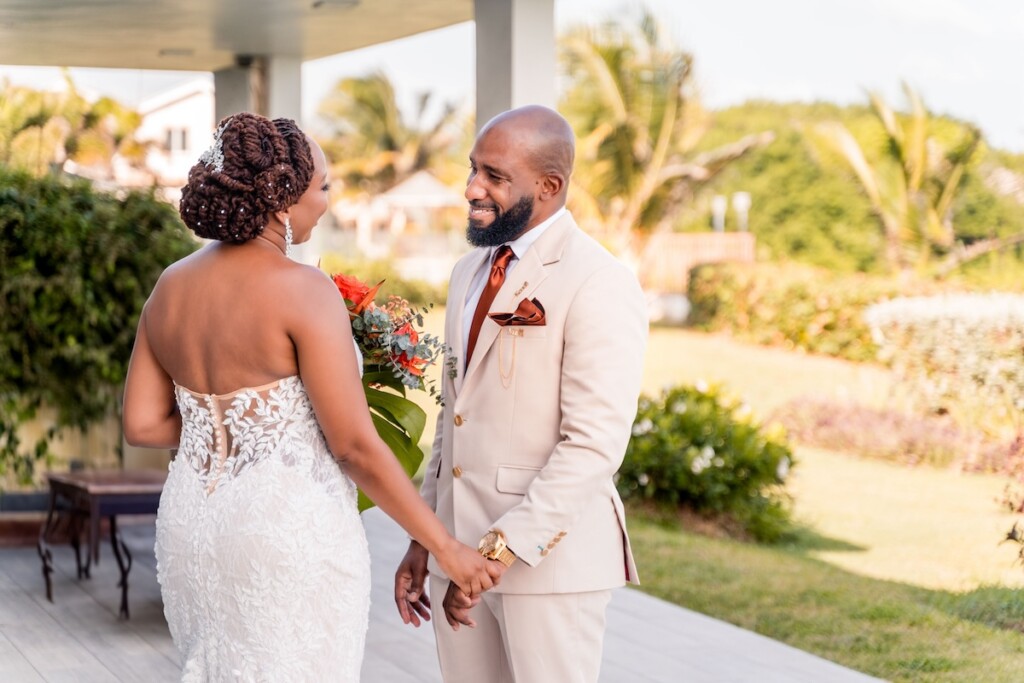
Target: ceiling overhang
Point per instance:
(207, 35)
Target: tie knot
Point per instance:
(503, 256)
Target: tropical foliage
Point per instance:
(631, 100)
(807, 204)
(793, 306)
(371, 145)
(77, 266)
(913, 182)
(40, 131)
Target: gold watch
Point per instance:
(494, 547)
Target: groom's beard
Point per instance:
(505, 227)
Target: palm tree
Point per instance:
(371, 145)
(40, 131)
(913, 184)
(638, 121)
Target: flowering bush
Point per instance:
(395, 354)
(891, 435)
(961, 354)
(794, 306)
(695, 448)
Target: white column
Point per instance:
(268, 85)
(230, 92)
(284, 88)
(515, 55)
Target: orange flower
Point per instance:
(408, 330)
(409, 362)
(357, 294)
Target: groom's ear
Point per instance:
(551, 185)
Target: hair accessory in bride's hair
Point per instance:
(214, 156)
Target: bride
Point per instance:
(244, 362)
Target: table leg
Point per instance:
(119, 547)
(94, 529)
(75, 531)
(43, 548)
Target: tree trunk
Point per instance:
(975, 251)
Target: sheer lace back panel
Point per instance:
(224, 435)
(262, 560)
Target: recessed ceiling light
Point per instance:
(344, 4)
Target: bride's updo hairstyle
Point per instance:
(254, 167)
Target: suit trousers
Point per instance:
(549, 638)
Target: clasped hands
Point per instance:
(471, 574)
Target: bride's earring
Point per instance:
(288, 237)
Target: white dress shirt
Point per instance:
(476, 287)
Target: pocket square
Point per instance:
(529, 312)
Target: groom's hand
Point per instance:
(410, 595)
(457, 606)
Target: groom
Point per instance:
(547, 333)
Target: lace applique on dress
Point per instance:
(222, 436)
(261, 556)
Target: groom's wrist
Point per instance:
(494, 546)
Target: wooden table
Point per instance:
(81, 499)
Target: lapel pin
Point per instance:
(520, 290)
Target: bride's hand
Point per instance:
(468, 569)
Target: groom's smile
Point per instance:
(481, 213)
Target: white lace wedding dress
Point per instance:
(262, 559)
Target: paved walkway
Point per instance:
(78, 638)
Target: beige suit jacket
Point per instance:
(534, 429)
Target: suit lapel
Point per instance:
(520, 284)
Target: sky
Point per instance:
(964, 57)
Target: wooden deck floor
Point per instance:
(79, 638)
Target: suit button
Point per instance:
(456, 471)
(458, 420)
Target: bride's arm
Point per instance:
(319, 327)
(151, 418)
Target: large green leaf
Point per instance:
(399, 410)
(405, 449)
(384, 378)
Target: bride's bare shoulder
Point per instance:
(310, 285)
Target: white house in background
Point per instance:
(178, 124)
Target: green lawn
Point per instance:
(899, 572)
(885, 628)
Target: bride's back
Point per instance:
(217, 320)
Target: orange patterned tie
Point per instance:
(494, 282)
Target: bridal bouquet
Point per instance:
(395, 355)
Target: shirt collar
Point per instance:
(522, 243)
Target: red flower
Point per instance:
(357, 294)
(414, 364)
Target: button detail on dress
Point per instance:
(456, 471)
(458, 420)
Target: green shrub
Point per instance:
(798, 307)
(76, 267)
(696, 449)
(416, 292)
(959, 354)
